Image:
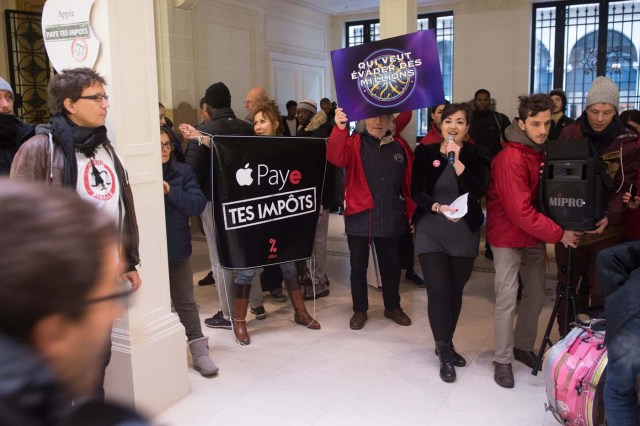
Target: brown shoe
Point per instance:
(503, 375)
(398, 316)
(357, 320)
(527, 358)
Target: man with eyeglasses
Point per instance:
(73, 151)
(63, 251)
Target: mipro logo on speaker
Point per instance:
(560, 201)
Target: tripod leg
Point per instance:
(570, 301)
(545, 339)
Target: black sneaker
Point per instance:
(218, 321)
(208, 280)
(414, 278)
(259, 312)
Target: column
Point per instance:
(148, 366)
(398, 17)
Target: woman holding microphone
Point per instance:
(447, 246)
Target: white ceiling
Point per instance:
(338, 7)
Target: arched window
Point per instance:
(582, 65)
(582, 46)
(542, 69)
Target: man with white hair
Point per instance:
(254, 96)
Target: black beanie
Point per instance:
(560, 93)
(218, 96)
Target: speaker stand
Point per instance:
(567, 293)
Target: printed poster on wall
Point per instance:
(68, 36)
(388, 76)
(266, 198)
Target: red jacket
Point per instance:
(512, 218)
(434, 135)
(401, 121)
(344, 151)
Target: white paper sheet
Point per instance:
(460, 203)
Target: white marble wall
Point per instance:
(275, 44)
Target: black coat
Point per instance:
(428, 165)
(618, 271)
(185, 199)
(487, 129)
(9, 145)
(29, 394)
(223, 122)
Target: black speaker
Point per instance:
(574, 188)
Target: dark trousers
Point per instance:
(584, 272)
(100, 393)
(387, 249)
(445, 277)
(271, 278)
(406, 251)
(182, 299)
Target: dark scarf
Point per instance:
(8, 130)
(601, 140)
(72, 138)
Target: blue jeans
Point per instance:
(620, 394)
(245, 276)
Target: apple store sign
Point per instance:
(266, 198)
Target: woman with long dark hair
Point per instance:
(446, 246)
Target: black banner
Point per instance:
(266, 198)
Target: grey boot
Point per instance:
(200, 355)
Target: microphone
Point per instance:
(451, 156)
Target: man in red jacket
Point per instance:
(378, 207)
(517, 232)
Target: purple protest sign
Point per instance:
(388, 76)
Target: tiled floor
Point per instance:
(384, 374)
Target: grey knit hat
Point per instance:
(5, 86)
(603, 90)
(309, 105)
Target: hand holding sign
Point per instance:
(341, 119)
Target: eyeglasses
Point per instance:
(96, 98)
(165, 145)
(122, 296)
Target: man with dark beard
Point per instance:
(13, 131)
(488, 125)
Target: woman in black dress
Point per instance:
(447, 247)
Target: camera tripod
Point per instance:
(567, 293)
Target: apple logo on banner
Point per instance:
(243, 176)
